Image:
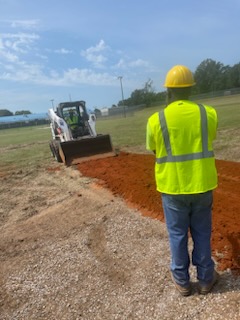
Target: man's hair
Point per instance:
(180, 93)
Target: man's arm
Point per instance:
(150, 141)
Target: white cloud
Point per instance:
(99, 47)
(63, 51)
(41, 56)
(121, 64)
(14, 68)
(13, 46)
(126, 63)
(72, 77)
(18, 42)
(24, 24)
(22, 73)
(8, 56)
(94, 55)
(88, 76)
(139, 63)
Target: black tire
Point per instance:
(54, 147)
(51, 148)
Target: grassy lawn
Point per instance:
(28, 146)
(24, 135)
(131, 130)
(24, 147)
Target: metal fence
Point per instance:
(19, 124)
(209, 95)
(216, 94)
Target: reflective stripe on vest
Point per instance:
(190, 156)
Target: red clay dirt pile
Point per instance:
(131, 176)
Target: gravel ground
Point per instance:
(84, 254)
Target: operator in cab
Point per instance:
(72, 119)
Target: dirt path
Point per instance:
(132, 177)
(70, 249)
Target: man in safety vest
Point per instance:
(76, 124)
(181, 137)
(72, 119)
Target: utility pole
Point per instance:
(124, 111)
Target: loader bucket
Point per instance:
(79, 150)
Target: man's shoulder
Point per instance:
(209, 108)
(211, 112)
(154, 116)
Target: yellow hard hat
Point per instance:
(179, 77)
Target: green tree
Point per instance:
(146, 95)
(149, 94)
(161, 96)
(210, 76)
(21, 112)
(5, 113)
(97, 112)
(137, 97)
(234, 76)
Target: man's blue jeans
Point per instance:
(183, 213)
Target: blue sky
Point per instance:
(65, 50)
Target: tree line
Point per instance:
(210, 76)
(5, 113)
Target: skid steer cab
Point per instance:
(74, 136)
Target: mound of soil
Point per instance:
(132, 177)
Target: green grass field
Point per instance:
(29, 146)
(131, 130)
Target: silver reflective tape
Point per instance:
(185, 157)
(204, 130)
(165, 132)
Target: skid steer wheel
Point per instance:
(55, 150)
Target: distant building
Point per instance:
(105, 112)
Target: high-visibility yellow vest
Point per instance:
(181, 136)
(73, 123)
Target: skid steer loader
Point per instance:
(74, 137)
